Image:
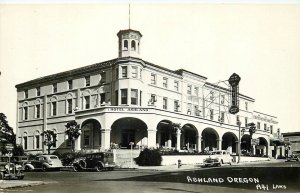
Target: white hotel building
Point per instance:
(127, 99)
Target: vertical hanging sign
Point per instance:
(234, 80)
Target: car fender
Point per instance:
(100, 162)
(46, 164)
(30, 166)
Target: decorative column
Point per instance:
(170, 140)
(45, 116)
(78, 143)
(105, 139)
(199, 140)
(219, 144)
(151, 138)
(78, 100)
(178, 134)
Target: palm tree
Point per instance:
(49, 139)
(73, 132)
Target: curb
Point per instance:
(6, 184)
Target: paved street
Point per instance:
(245, 178)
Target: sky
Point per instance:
(259, 42)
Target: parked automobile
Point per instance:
(218, 158)
(295, 156)
(21, 160)
(10, 170)
(95, 161)
(44, 163)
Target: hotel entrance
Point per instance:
(129, 129)
(128, 135)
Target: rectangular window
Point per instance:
(189, 108)
(271, 129)
(54, 105)
(25, 142)
(165, 82)
(176, 105)
(222, 118)
(134, 72)
(176, 85)
(103, 77)
(222, 99)
(212, 97)
(54, 141)
(87, 102)
(26, 94)
(153, 79)
(123, 96)
(246, 121)
(124, 71)
(37, 111)
(189, 89)
(25, 113)
(102, 98)
(37, 142)
(258, 125)
(38, 91)
(54, 88)
(197, 112)
(153, 98)
(237, 119)
(141, 74)
(196, 91)
(165, 103)
(87, 81)
(70, 106)
(265, 126)
(70, 84)
(134, 96)
(211, 114)
(246, 106)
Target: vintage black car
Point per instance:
(294, 157)
(44, 163)
(95, 162)
(10, 170)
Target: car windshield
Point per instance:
(53, 157)
(216, 153)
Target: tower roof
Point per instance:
(127, 31)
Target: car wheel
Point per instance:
(27, 168)
(76, 168)
(20, 177)
(1, 175)
(44, 168)
(99, 167)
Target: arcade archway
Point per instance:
(246, 144)
(189, 135)
(262, 148)
(129, 129)
(166, 135)
(91, 135)
(229, 142)
(209, 139)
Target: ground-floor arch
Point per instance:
(166, 135)
(229, 142)
(262, 148)
(127, 130)
(90, 134)
(189, 136)
(210, 139)
(246, 144)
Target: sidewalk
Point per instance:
(6, 184)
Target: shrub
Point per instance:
(68, 157)
(149, 157)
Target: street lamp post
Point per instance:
(239, 142)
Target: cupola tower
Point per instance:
(129, 43)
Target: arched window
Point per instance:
(37, 109)
(69, 103)
(24, 141)
(125, 45)
(25, 111)
(37, 139)
(86, 99)
(53, 106)
(133, 45)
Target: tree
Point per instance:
(73, 132)
(252, 129)
(49, 139)
(7, 135)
